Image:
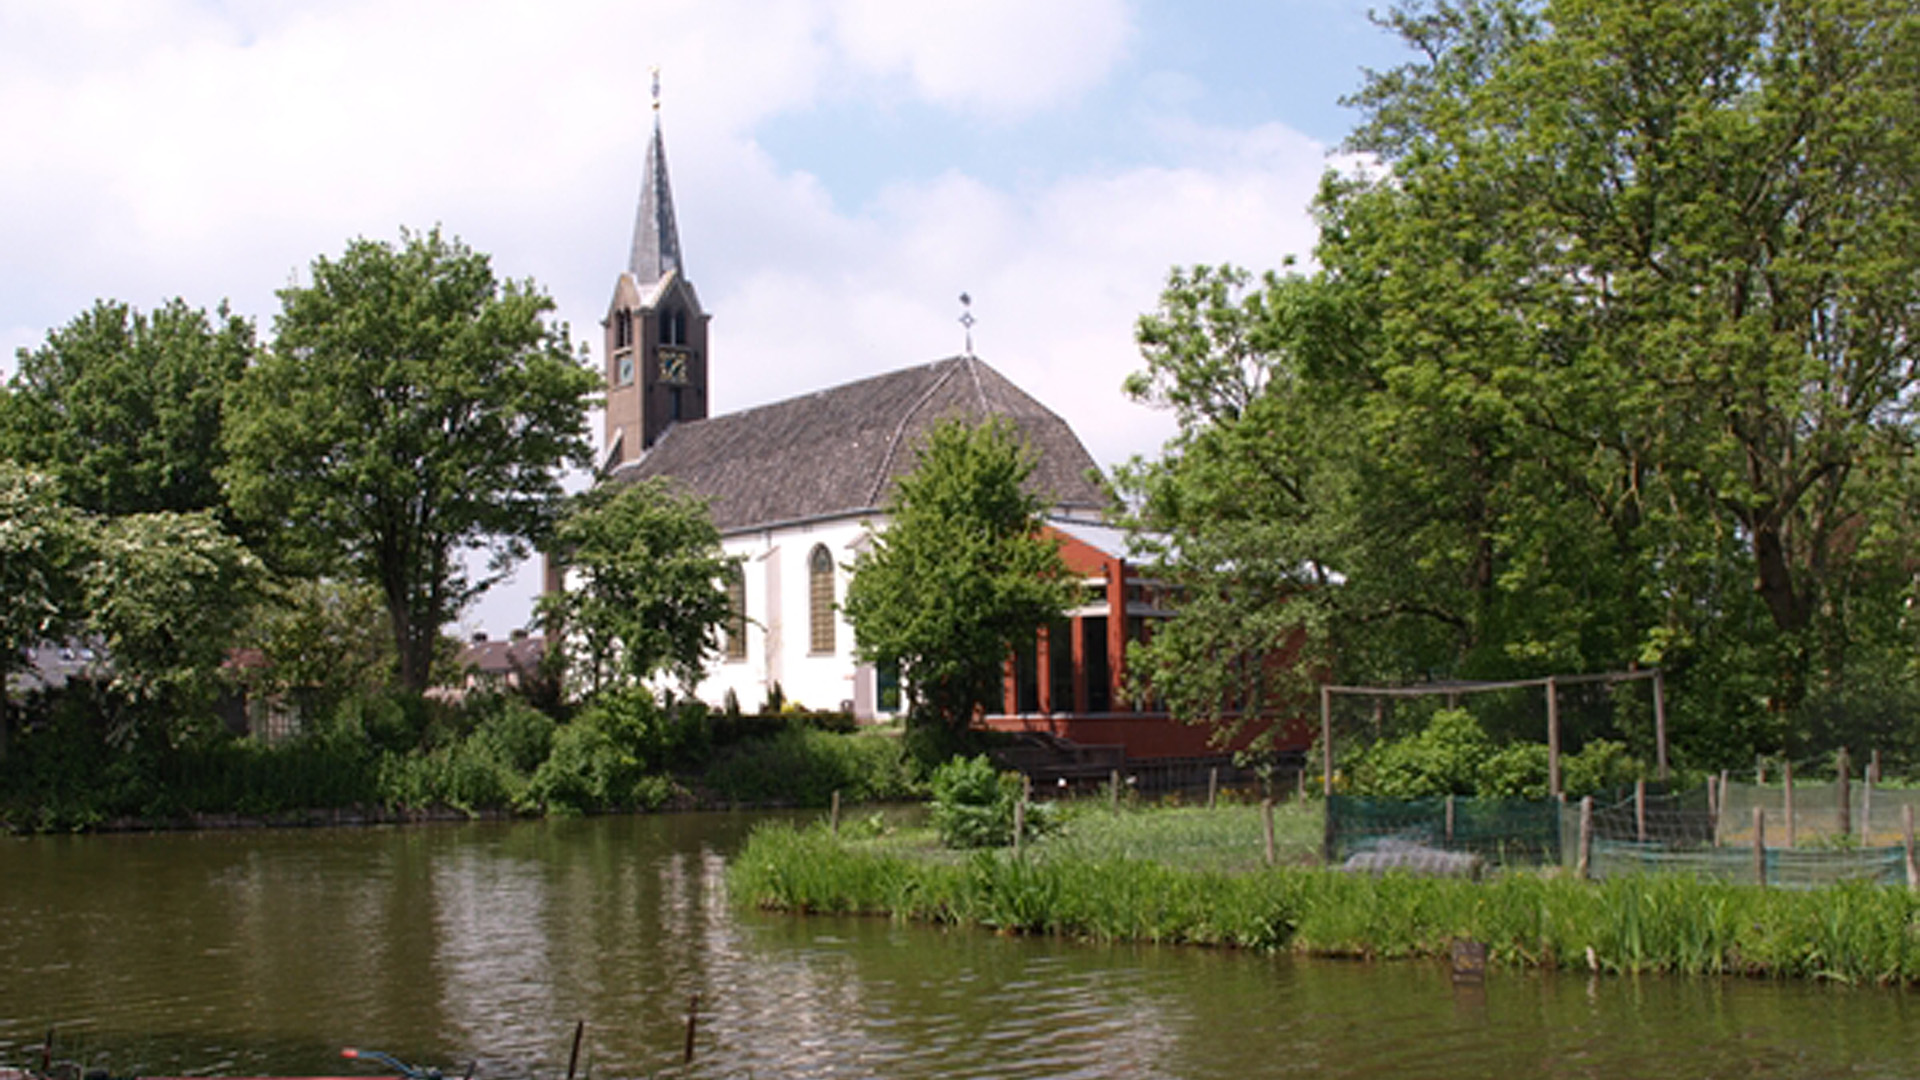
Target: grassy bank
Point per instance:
(1854, 933)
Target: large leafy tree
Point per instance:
(164, 593)
(645, 587)
(125, 408)
(961, 573)
(1251, 507)
(413, 407)
(1613, 348)
(167, 595)
(1671, 246)
(44, 545)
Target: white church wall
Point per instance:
(778, 620)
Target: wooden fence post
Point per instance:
(1553, 738)
(1786, 776)
(1714, 795)
(1213, 786)
(1113, 791)
(1844, 793)
(1660, 724)
(693, 1020)
(1266, 820)
(1583, 869)
(1760, 846)
(1326, 739)
(1720, 823)
(1449, 819)
(1913, 868)
(573, 1056)
(1640, 810)
(833, 816)
(1866, 807)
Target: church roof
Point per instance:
(836, 452)
(656, 239)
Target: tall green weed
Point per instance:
(1855, 932)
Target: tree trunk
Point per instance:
(415, 663)
(1774, 578)
(1774, 581)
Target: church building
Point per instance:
(797, 487)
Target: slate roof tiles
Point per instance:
(836, 452)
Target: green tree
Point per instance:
(1671, 247)
(320, 641)
(125, 408)
(1613, 350)
(43, 545)
(413, 407)
(961, 573)
(1251, 507)
(167, 595)
(645, 587)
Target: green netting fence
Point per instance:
(1790, 868)
(1652, 830)
(1501, 831)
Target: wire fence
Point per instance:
(1817, 815)
(1815, 836)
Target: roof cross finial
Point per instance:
(656, 87)
(966, 320)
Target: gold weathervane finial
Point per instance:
(656, 87)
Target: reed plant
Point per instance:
(1854, 932)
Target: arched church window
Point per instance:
(820, 600)
(621, 363)
(673, 326)
(736, 614)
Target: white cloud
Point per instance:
(997, 56)
(1058, 275)
(169, 148)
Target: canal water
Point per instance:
(266, 952)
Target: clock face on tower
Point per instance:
(673, 366)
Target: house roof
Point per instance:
(51, 665)
(837, 451)
(1100, 537)
(503, 657)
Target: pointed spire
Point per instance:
(656, 239)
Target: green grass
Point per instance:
(1855, 933)
(1228, 837)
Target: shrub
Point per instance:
(805, 767)
(1455, 756)
(973, 805)
(513, 733)
(595, 765)
(1601, 765)
(1444, 759)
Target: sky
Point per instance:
(842, 169)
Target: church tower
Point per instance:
(656, 333)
